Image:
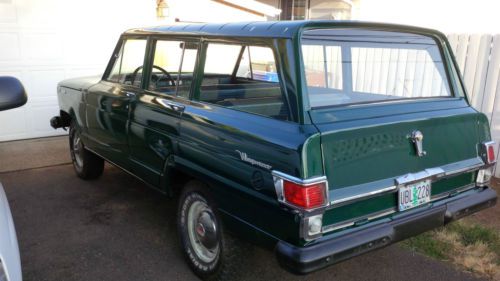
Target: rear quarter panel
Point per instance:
(213, 141)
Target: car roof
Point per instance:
(267, 29)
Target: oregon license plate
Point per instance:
(413, 195)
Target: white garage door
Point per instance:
(44, 42)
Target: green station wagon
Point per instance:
(320, 140)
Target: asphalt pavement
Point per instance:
(115, 228)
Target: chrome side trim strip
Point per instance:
(383, 214)
(455, 191)
(362, 195)
(349, 223)
(334, 227)
(297, 180)
(432, 173)
(345, 195)
(387, 212)
(464, 170)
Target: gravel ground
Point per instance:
(490, 217)
(115, 228)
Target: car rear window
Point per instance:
(346, 66)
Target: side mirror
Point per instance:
(12, 93)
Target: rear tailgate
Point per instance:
(367, 148)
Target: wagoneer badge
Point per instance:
(244, 157)
(417, 138)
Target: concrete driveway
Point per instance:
(115, 228)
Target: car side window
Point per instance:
(173, 67)
(128, 66)
(243, 78)
(323, 67)
(257, 63)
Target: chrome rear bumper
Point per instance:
(302, 260)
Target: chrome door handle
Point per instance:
(176, 107)
(172, 105)
(129, 94)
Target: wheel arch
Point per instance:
(174, 180)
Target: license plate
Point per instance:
(413, 195)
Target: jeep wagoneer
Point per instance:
(321, 140)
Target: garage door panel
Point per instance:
(44, 42)
(10, 46)
(40, 116)
(13, 73)
(43, 83)
(100, 48)
(13, 123)
(42, 46)
(41, 14)
(8, 12)
(97, 71)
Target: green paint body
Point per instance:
(350, 145)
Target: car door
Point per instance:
(155, 112)
(108, 102)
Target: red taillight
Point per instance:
(305, 196)
(489, 152)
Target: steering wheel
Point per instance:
(165, 73)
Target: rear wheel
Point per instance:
(87, 165)
(210, 252)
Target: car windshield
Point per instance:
(346, 66)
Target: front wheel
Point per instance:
(87, 165)
(210, 252)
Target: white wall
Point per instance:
(43, 42)
(478, 57)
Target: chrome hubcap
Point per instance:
(78, 150)
(202, 231)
